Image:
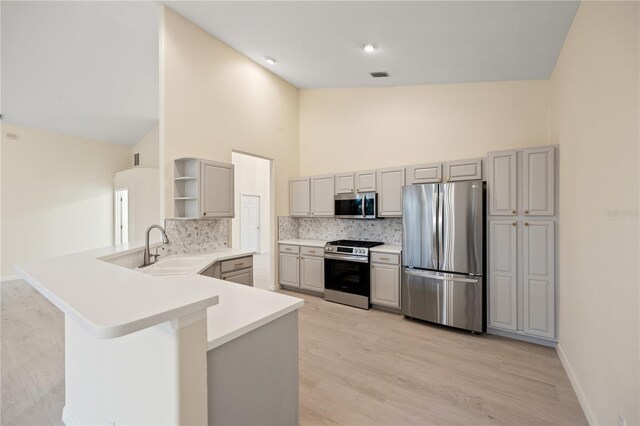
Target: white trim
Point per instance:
(582, 398)
(10, 278)
(68, 418)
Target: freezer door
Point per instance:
(419, 225)
(460, 237)
(449, 299)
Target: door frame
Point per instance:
(249, 194)
(117, 218)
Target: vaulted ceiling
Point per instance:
(91, 68)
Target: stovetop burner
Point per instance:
(355, 243)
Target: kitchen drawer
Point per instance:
(312, 251)
(390, 259)
(235, 264)
(289, 248)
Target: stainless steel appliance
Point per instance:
(443, 254)
(356, 206)
(347, 273)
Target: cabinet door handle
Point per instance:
(514, 224)
(312, 251)
(204, 214)
(513, 211)
(526, 224)
(238, 264)
(526, 212)
(384, 258)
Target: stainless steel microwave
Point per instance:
(361, 205)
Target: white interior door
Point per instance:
(250, 222)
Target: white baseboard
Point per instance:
(523, 337)
(68, 419)
(10, 278)
(582, 398)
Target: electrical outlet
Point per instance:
(621, 420)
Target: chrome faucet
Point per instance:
(147, 251)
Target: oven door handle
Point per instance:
(347, 258)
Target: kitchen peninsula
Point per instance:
(169, 349)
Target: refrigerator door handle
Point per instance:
(433, 276)
(440, 227)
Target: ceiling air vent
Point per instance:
(378, 74)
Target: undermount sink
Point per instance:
(173, 265)
(177, 262)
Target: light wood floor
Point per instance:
(371, 367)
(32, 364)
(356, 367)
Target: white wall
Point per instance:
(364, 128)
(57, 194)
(594, 117)
(148, 148)
(253, 177)
(215, 100)
(144, 199)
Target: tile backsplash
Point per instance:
(386, 230)
(196, 235)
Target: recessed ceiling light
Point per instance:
(370, 47)
(270, 60)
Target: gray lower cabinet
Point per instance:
(289, 266)
(539, 278)
(238, 270)
(244, 276)
(302, 267)
(312, 273)
(522, 277)
(385, 280)
(503, 276)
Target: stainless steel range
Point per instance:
(346, 272)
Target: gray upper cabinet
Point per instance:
(503, 276)
(539, 278)
(202, 189)
(366, 181)
(502, 175)
(216, 189)
(390, 183)
(424, 173)
(344, 183)
(322, 195)
(463, 170)
(299, 197)
(538, 181)
(311, 196)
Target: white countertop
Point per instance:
(309, 243)
(387, 248)
(243, 309)
(110, 301)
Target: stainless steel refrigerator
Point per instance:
(443, 254)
